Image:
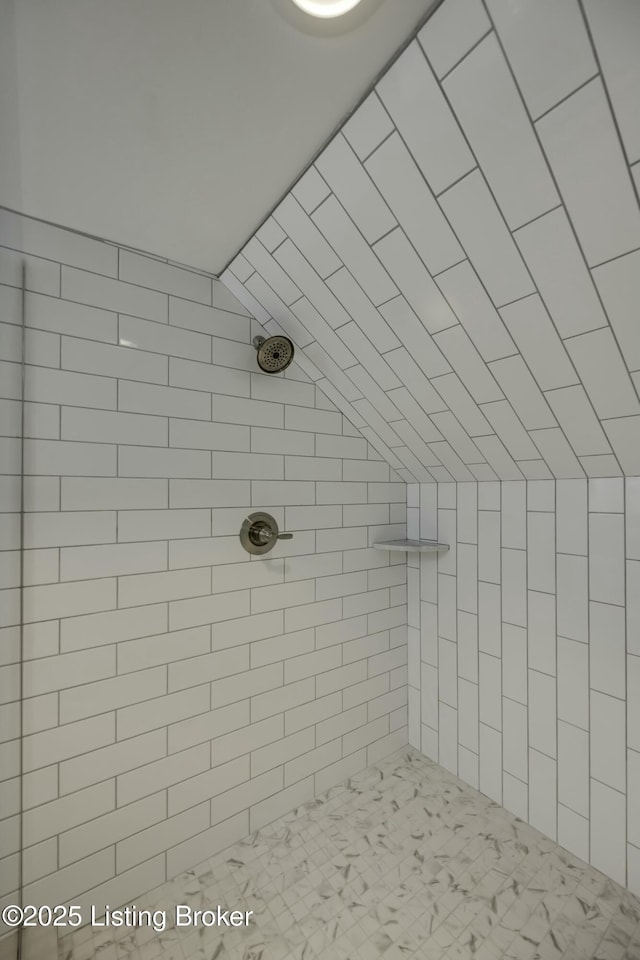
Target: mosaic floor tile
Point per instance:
(401, 861)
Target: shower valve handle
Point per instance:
(264, 534)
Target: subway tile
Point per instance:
(408, 271)
(633, 606)
(68, 670)
(476, 313)
(342, 171)
(208, 377)
(149, 272)
(69, 529)
(607, 729)
(571, 516)
(555, 260)
(44, 385)
(70, 740)
(573, 832)
(69, 812)
(409, 91)
(144, 588)
(541, 548)
(271, 270)
(491, 762)
(157, 838)
(542, 719)
(209, 320)
(115, 692)
(544, 352)
(515, 758)
(302, 231)
(109, 427)
(606, 558)
(66, 457)
(354, 251)
(98, 629)
(137, 525)
(573, 682)
(451, 31)
(603, 373)
(160, 649)
(624, 435)
(53, 601)
(490, 691)
(246, 794)
(367, 127)
(275, 754)
(402, 185)
(613, 36)
(607, 833)
(207, 609)
(111, 560)
(478, 223)
(208, 436)
(94, 290)
(183, 792)
(573, 768)
(202, 493)
(105, 360)
(277, 390)
(578, 421)
(523, 393)
(607, 648)
(325, 710)
(514, 587)
(572, 593)
(163, 401)
(358, 306)
(189, 672)
(83, 875)
(591, 173)
(87, 493)
(542, 631)
(489, 618)
(73, 319)
(488, 106)
(514, 663)
(542, 793)
(467, 647)
(545, 73)
(187, 733)
(157, 774)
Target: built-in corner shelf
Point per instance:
(412, 546)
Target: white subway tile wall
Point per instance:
(478, 302)
(178, 692)
(529, 680)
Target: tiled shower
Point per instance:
(458, 270)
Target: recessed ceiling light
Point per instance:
(326, 8)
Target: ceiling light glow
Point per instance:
(326, 8)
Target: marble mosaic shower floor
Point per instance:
(402, 861)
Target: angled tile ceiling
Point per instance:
(460, 267)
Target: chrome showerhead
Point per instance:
(274, 354)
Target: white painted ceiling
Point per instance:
(460, 269)
(175, 125)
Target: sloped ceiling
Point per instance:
(460, 267)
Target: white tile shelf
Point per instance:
(412, 546)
